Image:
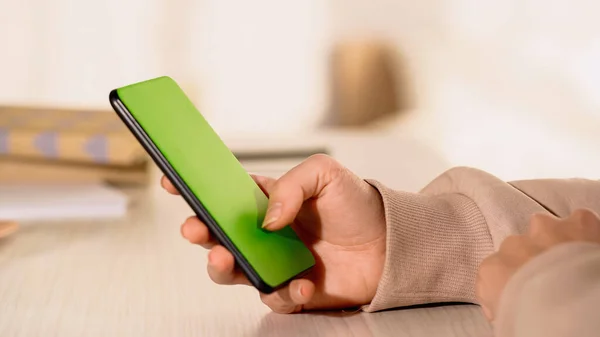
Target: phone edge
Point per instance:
(188, 196)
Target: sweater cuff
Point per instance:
(433, 248)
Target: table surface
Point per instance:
(137, 277)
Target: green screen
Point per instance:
(215, 177)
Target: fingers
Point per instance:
(221, 270)
(539, 225)
(197, 233)
(289, 192)
(290, 299)
(496, 270)
(221, 267)
(581, 225)
(193, 229)
(545, 232)
(303, 182)
(518, 249)
(585, 225)
(483, 285)
(264, 183)
(167, 185)
(493, 275)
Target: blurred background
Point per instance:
(396, 90)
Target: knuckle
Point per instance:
(586, 225)
(217, 275)
(585, 216)
(219, 278)
(512, 242)
(539, 222)
(315, 163)
(265, 299)
(580, 212)
(275, 303)
(540, 218)
(213, 276)
(321, 159)
(327, 167)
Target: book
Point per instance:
(88, 136)
(42, 171)
(45, 202)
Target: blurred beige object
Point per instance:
(7, 228)
(364, 83)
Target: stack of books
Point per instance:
(68, 145)
(63, 201)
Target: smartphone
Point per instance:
(211, 180)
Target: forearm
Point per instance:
(437, 238)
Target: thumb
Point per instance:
(301, 183)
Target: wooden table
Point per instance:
(137, 277)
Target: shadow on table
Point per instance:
(429, 320)
(314, 324)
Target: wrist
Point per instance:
(378, 250)
(376, 269)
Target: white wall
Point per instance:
(73, 52)
(261, 64)
(509, 86)
(255, 66)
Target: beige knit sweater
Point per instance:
(437, 238)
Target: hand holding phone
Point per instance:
(325, 209)
(338, 215)
(211, 180)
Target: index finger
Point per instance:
(167, 185)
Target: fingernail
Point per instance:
(273, 214)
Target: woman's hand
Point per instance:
(339, 216)
(545, 232)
